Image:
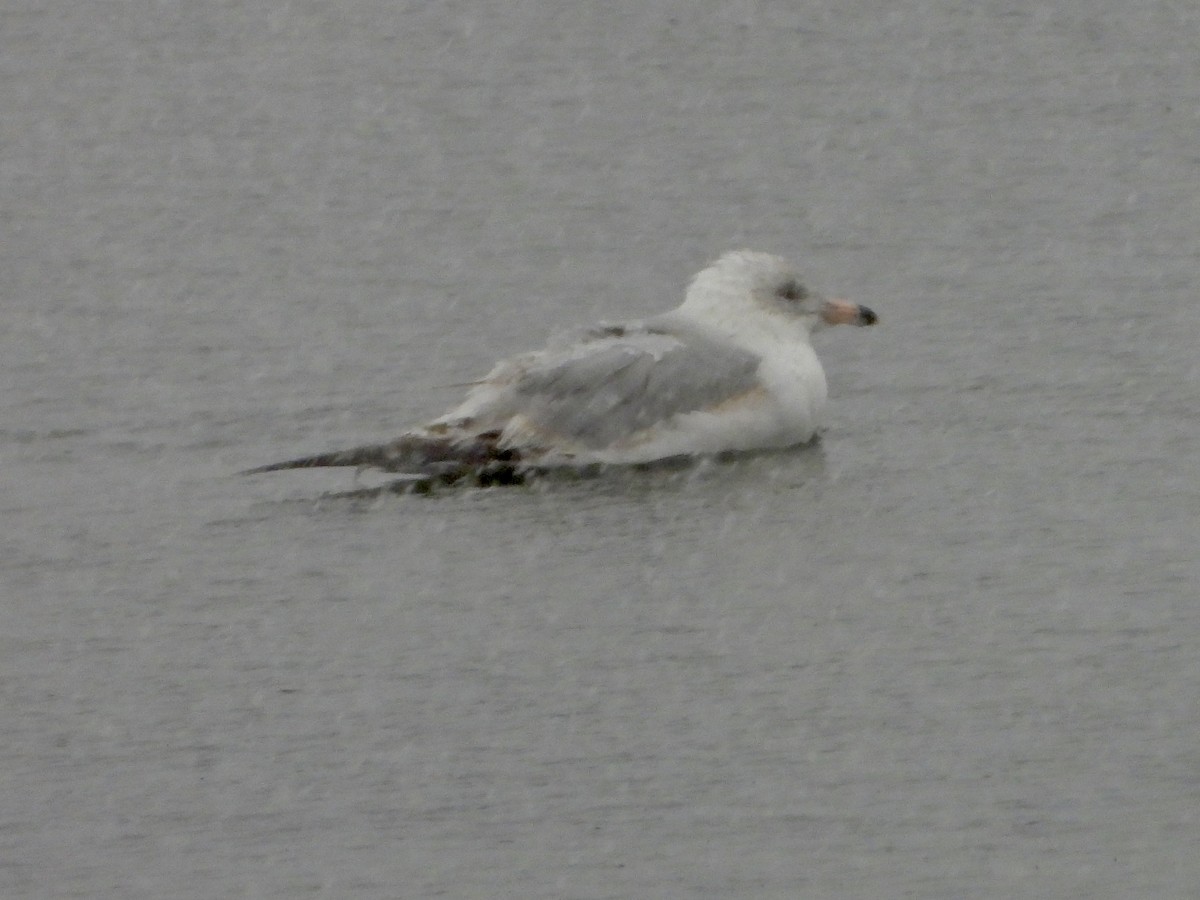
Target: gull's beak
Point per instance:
(843, 312)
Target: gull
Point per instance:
(731, 369)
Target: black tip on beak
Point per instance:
(866, 316)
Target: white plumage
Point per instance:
(731, 369)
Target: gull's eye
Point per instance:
(792, 290)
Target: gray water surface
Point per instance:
(950, 651)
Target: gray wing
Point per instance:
(619, 379)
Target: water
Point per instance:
(949, 652)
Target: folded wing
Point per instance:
(606, 386)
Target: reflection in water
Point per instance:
(666, 474)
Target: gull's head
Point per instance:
(744, 287)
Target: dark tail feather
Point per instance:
(376, 455)
(411, 454)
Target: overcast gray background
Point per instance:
(950, 652)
